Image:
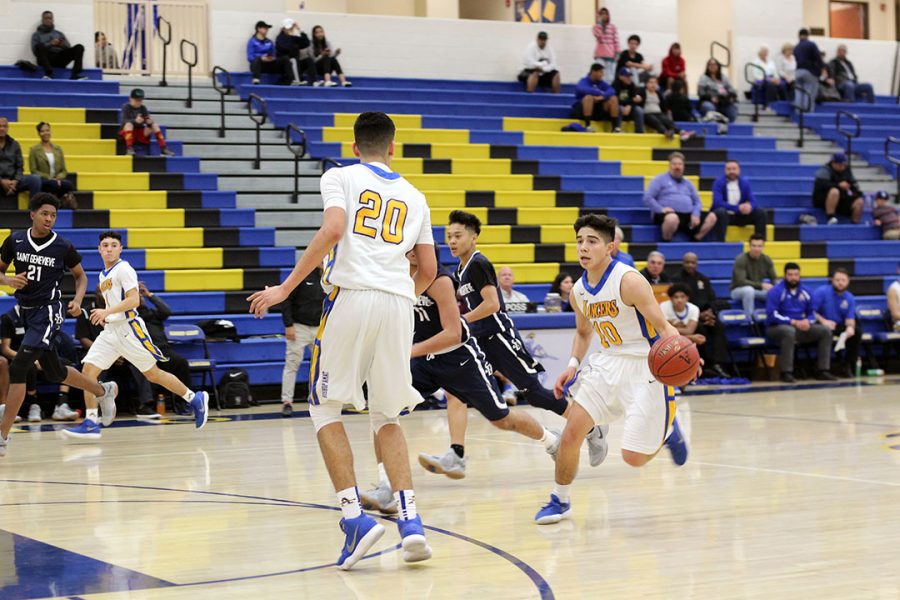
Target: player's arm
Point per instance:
(580, 345)
(6, 257)
(6, 348)
(81, 283)
(426, 270)
(636, 292)
(334, 223)
(131, 301)
(684, 328)
(441, 291)
(490, 303)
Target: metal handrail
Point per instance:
(190, 65)
(298, 152)
(747, 68)
(712, 48)
(332, 162)
(259, 119)
(223, 91)
(166, 40)
(846, 133)
(893, 159)
(802, 110)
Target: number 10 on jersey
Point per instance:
(391, 216)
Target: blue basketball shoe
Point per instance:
(87, 430)
(200, 406)
(677, 444)
(361, 534)
(553, 512)
(415, 546)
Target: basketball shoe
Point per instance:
(598, 446)
(361, 534)
(450, 464)
(200, 406)
(108, 403)
(553, 512)
(412, 534)
(87, 430)
(677, 444)
(379, 498)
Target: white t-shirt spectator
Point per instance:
(691, 312)
(513, 296)
(734, 192)
(539, 58)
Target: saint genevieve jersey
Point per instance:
(43, 260)
(114, 283)
(428, 320)
(386, 217)
(622, 329)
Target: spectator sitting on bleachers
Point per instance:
(702, 292)
(716, 92)
(632, 59)
(673, 67)
(539, 66)
(809, 69)
(893, 301)
(52, 49)
(678, 103)
(835, 308)
(325, 56)
(836, 191)
(653, 272)
(300, 314)
(47, 161)
(136, 120)
(885, 216)
(753, 275)
(505, 281)
(655, 112)
(828, 91)
(685, 317)
(562, 285)
(607, 48)
(675, 204)
(846, 80)
(262, 59)
(596, 100)
(734, 204)
(104, 55)
(619, 254)
(791, 319)
(786, 66)
(631, 102)
(12, 166)
(770, 85)
(293, 47)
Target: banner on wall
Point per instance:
(553, 347)
(541, 11)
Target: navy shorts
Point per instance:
(464, 373)
(42, 324)
(506, 352)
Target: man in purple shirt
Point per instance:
(595, 99)
(675, 204)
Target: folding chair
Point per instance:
(206, 366)
(741, 335)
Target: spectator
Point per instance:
(836, 191)
(734, 204)
(539, 66)
(653, 272)
(673, 67)
(654, 112)
(47, 161)
(325, 56)
(104, 55)
(619, 254)
(52, 49)
(835, 308)
(300, 313)
(678, 103)
(292, 46)
(632, 59)
(595, 99)
(716, 92)
(262, 59)
(607, 48)
(701, 290)
(769, 86)
(562, 285)
(827, 91)
(809, 68)
(885, 216)
(893, 301)
(506, 280)
(846, 80)
(685, 317)
(136, 121)
(753, 275)
(786, 66)
(791, 319)
(12, 174)
(675, 204)
(630, 100)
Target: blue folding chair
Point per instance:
(206, 366)
(742, 335)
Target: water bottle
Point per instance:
(858, 371)
(553, 303)
(875, 372)
(161, 404)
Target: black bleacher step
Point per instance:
(549, 253)
(104, 116)
(525, 234)
(867, 286)
(184, 199)
(570, 199)
(109, 131)
(639, 251)
(706, 183)
(548, 182)
(166, 181)
(502, 151)
(202, 217)
(696, 142)
(525, 167)
(437, 166)
(846, 263)
(240, 258)
(416, 150)
(222, 236)
(573, 269)
(692, 154)
(593, 210)
(236, 302)
(503, 216)
(815, 250)
(483, 199)
(787, 233)
(258, 279)
(149, 164)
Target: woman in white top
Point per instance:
(104, 55)
(47, 161)
(769, 86)
(786, 65)
(325, 56)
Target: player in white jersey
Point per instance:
(372, 218)
(124, 335)
(614, 301)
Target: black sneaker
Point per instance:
(287, 410)
(788, 377)
(718, 371)
(145, 412)
(824, 376)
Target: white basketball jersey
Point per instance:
(114, 283)
(386, 217)
(622, 329)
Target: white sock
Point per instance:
(188, 396)
(349, 502)
(382, 476)
(548, 439)
(406, 503)
(562, 492)
(92, 414)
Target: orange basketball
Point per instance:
(674, 360)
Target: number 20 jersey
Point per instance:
(623, 330)
(386, 217)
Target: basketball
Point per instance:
(674, 360)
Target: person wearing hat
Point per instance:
(261, 56)
(595, 99)
(293, 45)
(836, 191)
(630, 99)
(885, 216)
(136, 122)
(539, 66)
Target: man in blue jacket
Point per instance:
(261, 56)
(596, 100)
(835, 308)
(791, 319)
(809, 69)
(734, 204)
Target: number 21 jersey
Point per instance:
(43, 260)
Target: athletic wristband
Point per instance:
(574, 363)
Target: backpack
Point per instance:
(234, 389)
(218, 330)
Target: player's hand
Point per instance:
(260, 302)
(98, 316)
(74, 308)
(18, 282)
(561, 381)
(290, 333)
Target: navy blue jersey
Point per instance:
(43, 260)
(428, 317)
(472, 277)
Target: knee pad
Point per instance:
(379, 420)
(20, 365)
(324, 414)
(54, 370)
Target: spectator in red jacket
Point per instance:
(607, 48)
(672, 67)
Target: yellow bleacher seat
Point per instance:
(53, 116)
(184, 258)
(22, 129)
(204, 280)
(413, 136)
(142, 218)
(189, 237)
(73, 147)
